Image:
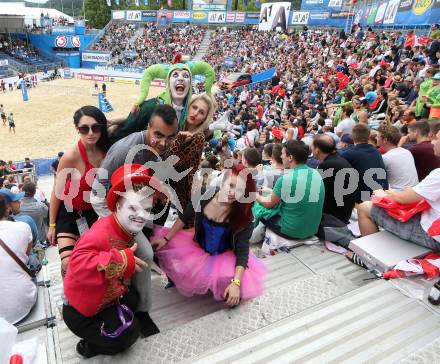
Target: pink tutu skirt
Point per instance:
(195, 272)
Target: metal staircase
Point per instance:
(204, 46)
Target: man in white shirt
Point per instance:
(416, 228)
(422, 68)
(399, 162)
(17, 290)
(347, 123)
(244, 95)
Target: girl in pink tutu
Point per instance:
(215, 256)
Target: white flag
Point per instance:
(137, 2)
(109, 2)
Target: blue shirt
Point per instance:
(362, 157)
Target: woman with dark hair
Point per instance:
(380, 105)
(72, 215)
(217, 258)
(379, 79)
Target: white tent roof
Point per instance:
(34, 13)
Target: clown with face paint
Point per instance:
(103, 265)
(178, 80)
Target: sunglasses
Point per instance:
(84, 129)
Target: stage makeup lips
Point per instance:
(180, 80)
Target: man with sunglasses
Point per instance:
(140, 148)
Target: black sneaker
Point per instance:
(148, 327)
(82, 348)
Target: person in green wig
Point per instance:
(178, 80)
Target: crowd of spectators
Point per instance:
(365, 100)
(150, 44)
(252, 51)
(19, 49)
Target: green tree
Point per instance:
(98, 14)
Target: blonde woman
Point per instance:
(189, 144)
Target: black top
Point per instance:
(368, 162)
(240, 239)
(336, 202)
(54, 164)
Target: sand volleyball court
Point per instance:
(44, 124)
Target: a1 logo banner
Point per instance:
(274, 16)
(300, 17)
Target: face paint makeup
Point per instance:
(180, 80)
(133, 211)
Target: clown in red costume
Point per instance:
(101, 305)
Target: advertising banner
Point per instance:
(3, 62)
(230, 17)
(216, 17)
(405, 5)
(401, 13)
(118, 15)
(210, 5)
(120, 69)
(95, 57)
(182, 15)
(67, 73)
(239, 17)
(58, 29)
(85, 76)
(380, 13)
(199, 16)
(319, 15)
(335, 4)
(134, 15)
(61, 41)
(252, 15)
(372, 14)
(300, 17)
(148, 14)
(24, 92)
(391, 12)
(274, 16)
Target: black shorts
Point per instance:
(66, 221)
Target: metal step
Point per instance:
(188, 341)
(204, 46)
(373, 324)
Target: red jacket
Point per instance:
(99, 267)
(278, 90)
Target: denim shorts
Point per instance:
(410, 230)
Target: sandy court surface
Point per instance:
(44, 124)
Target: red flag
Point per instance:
(343, 80)
(434, 230)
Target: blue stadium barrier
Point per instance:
(42, 165)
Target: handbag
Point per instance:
(401, 212)
(17, 259)
(122, 310)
